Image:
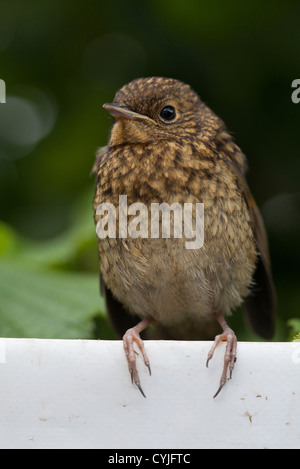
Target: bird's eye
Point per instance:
(168, 113)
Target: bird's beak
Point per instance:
(120, 111)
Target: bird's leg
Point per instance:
(130, 336)
(230, 352)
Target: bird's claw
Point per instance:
(130, 336)
(230, 355)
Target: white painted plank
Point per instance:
(78, 394)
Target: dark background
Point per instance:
(61, 61)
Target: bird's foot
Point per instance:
(230, 352)
(132, 335)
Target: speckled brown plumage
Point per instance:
(191, 158)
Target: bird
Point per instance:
(166, 146)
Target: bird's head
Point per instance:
(148, 109)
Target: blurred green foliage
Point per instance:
(61, 61)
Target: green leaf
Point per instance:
(297, 337)
(294, 324)
(65, 250)
(48, 288)
(8, 240)
(47, 304)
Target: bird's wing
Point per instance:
(261, 302)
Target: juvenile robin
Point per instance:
(167, 146)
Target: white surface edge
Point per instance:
(78, 394)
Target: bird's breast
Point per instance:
(157, 275)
